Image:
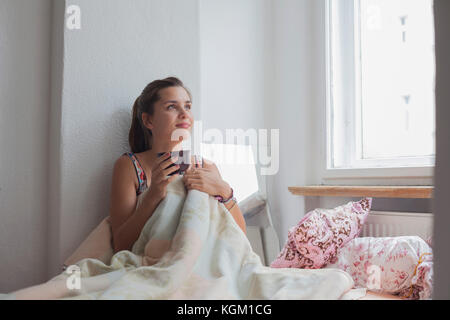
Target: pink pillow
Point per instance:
(315, 240)
(394, 265)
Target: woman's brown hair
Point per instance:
(140, 137)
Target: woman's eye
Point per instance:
(172, 105)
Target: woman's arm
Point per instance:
(234, 209)
(128, 233)
(127, 221)
(237, 215)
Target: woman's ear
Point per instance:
(147, 120)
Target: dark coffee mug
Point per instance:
(184, 160)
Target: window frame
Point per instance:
(407, 172)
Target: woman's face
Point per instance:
(174, 108)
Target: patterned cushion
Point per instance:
(315, 240)
(394, 265)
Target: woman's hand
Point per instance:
(158, 185)
(206, 179)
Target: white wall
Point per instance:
(24, 109)
(291, 109)
(236, 66)
(121, 47)
(258, 70)
(54, 153)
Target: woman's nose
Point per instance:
(184, 114)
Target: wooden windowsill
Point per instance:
(407, 192)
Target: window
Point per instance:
(381, 83)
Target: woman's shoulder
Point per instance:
(127, 163)
(123, 160)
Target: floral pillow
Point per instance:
(393, 265)
(315, 240)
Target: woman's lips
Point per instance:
(183, 125)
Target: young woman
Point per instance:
(164, 106)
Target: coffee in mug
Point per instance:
(184, 160)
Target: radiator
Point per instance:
(393, 224)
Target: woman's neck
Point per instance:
(152, 154)
(166, 148)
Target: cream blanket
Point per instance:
(190, 248)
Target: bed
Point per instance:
(190, 248)
(264, 240)
(102, 273)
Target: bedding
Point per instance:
(318, 236)
(190, 248)
(389, 265)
